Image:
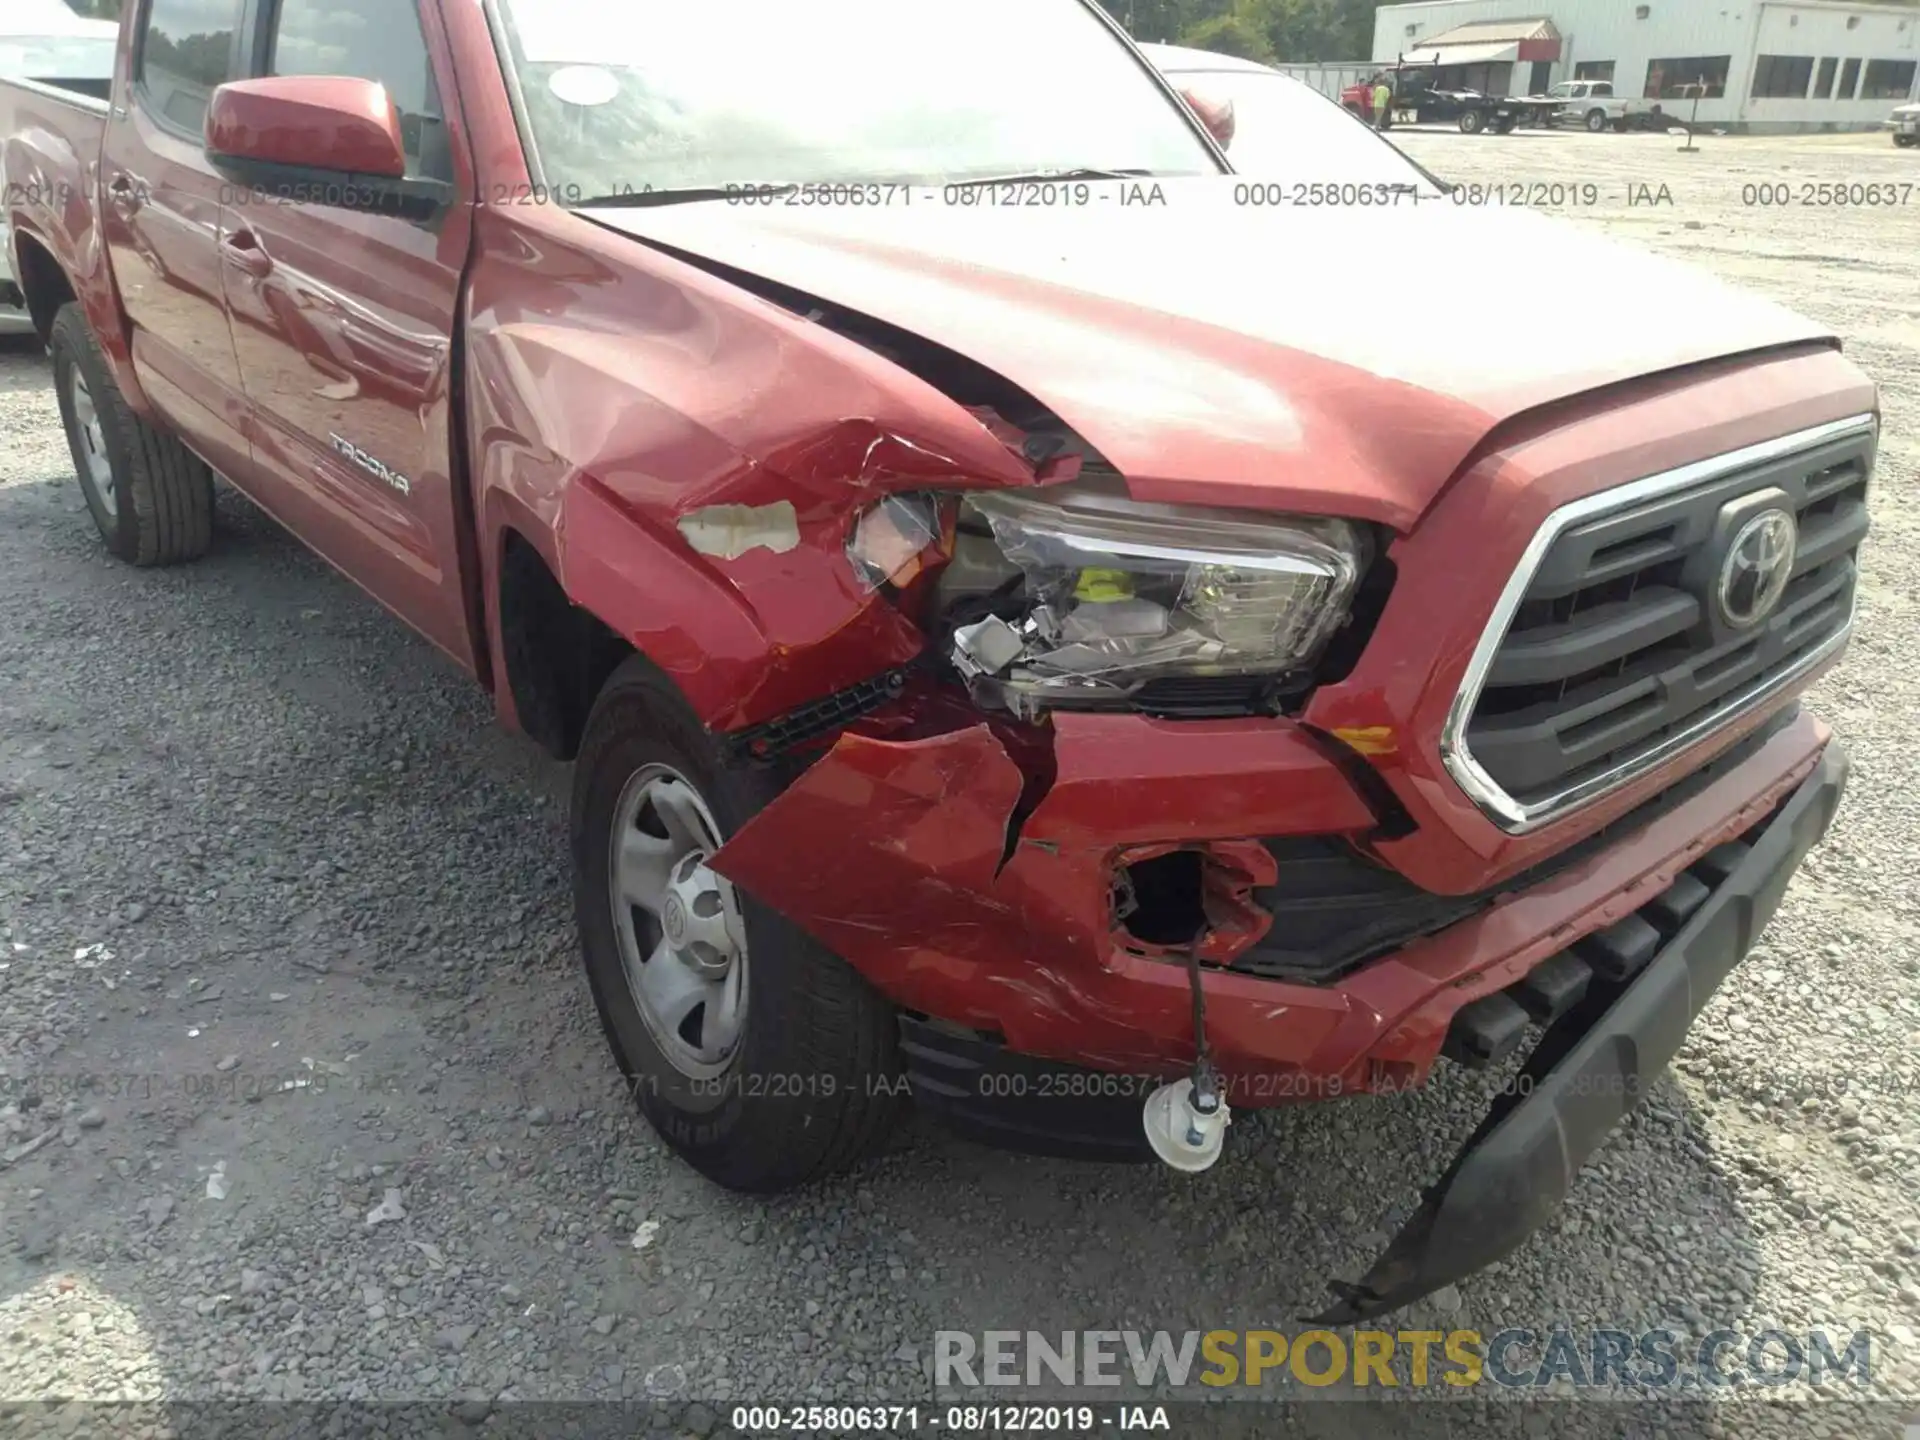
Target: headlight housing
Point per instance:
(1118, 594)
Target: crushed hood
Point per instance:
(1233, 354)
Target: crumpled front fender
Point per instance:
(911, 859)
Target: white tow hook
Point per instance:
(1183, 1133)
(1187, 1120)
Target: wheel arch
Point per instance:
(43, 282)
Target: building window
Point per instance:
(1823, 87)
(1782, 77)
(1888, 80)
(1849, 80)
(1593, 70)
(1687, 76)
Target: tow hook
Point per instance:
(1186, 1120)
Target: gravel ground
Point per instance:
(269, 876)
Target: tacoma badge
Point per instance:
(373, 467)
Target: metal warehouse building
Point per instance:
(1762, 65)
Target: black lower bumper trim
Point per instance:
(986, 1093)
(1591, 1067)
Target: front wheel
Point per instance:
(1906, 142)
(761, 1058)
(1596, 121)
(1472, 122)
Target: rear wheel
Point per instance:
(1597, 121)
(760, 1057)
(151, 497)
(1472, 122)
(1906, 142)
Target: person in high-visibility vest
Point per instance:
(1382, 103)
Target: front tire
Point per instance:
(764, 1060)
(1596, 121)
(151, 497)
(1472, 122)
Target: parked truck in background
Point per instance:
(1018, 644)
(1418, 100)
(1905, 125)
(1592, 105)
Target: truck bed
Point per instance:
(55, 132)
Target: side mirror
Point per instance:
(318, 140)
(1214, 113)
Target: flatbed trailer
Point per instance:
(1476, 114)
(1421, 104)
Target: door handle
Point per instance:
(243, 249)
(123, 195)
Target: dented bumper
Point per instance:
(973, 883)
(1593, 1065)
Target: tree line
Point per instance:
(1264, 30)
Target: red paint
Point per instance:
(907, 891)
(1232, 381)
(588, 384)
(1413, 668)
(1216, 114)
(321, 122)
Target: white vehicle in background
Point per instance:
(44, 40)
(1278, 127)
(1905, 124)
(1592, 104)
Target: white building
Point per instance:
(1761, 65)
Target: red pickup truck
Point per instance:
(1081, 671)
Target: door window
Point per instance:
(186, 50)
(370, 40)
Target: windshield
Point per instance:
(1288, 130)
(625, 95)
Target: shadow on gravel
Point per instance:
(364, 874)
(1309, 1194)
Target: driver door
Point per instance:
(343, 324)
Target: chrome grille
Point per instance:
(1607, 653)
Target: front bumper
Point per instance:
(928, 865)
(1592, 1066)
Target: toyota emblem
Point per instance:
(1758, 565)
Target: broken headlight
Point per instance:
(1115, 594)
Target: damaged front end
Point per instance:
(1649, 977)
(1080, 597)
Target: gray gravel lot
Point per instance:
(269, 875)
